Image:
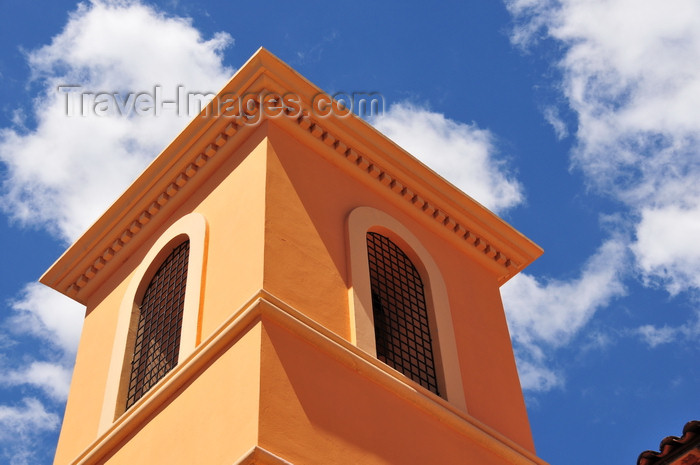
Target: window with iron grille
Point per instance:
(160, 323)
(401, 327)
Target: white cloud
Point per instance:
(551, 115)
(20, 428)
(654, 336)
(52, 378)
(462, 153)
(21, 419)
(667, 246)
(658, 335)
(631, 72)
(63, 173)
(54, 319)
(49, 315)
(553, 311)
(536, 376)
(544, 315)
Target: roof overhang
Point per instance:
(341, 137)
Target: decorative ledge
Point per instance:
(266, 308)
(361, 161)
(389, 181)
(158, 202)
(502, 248)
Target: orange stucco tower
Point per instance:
(283, 284)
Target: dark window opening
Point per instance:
(160, 323)
(401, 328)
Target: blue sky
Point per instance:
(575, 120)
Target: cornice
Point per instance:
(412, 195)
(156, 203)
(188, 155)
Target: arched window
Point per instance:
(401, 327)
(364, 222)
(182, 247)
(157, 343)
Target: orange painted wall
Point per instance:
(276, 210)
(308, 200)
(81, 418)
(213, 421)
(315, 409)
(304, 233)
(232, 202)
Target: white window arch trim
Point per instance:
(192, 227)
(362, 220)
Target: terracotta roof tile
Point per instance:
(673, 447)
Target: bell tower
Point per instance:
(285, 285)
